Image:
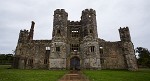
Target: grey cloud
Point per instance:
(111, 14)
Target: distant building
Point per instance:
(74, 45)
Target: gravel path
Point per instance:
(74, 76)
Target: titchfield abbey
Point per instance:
(74, 45)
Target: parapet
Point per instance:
(124, 29)
(60, 11)
(74, 22)
(88, 11)
(25, 31)
(124, 34)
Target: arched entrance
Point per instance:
(75, 63)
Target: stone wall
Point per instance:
(33, 54)
(112, 56)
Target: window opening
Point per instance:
(57, 49)
(101, 50)
(58, 31)
(92, 48)
(47, 48)
(45, 61)
(30, 61)
(74, 33)
(91, 31)
(74, 47)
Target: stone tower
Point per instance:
(57, 58)
(128, 48)
(74, 45)
(89, 43)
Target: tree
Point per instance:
(6, 58)
(144, 56)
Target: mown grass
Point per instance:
(118, 75)
(29, 75)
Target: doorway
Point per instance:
(75, 63)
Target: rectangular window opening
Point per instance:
(101, 50)
(58, 49)
(92, 48)
(75, 33)
(58, 31)
(45, 61)
(74, 47)
(91, 31)
(30, 61)
(47, 48)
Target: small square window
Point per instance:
(57, 49)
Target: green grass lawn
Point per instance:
(118, 75)
(54, 75)
(29, 75)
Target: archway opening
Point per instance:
(75, 63)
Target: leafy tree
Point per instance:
(144, 56)
(6, 58)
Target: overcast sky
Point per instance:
(111, 15)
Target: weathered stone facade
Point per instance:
(74, 45)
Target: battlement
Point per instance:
(124, 34)
(74, 22)
(88, 11)
(124, 29)
(60, 11)
(25, 31)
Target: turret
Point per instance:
(124, 34)
(31, 33)
(89, 25)
(23, 36)
(128, 49)
(60, 23)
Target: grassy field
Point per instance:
(118, 75)
(29, 75)
(93, 75)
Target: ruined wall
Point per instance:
(112, 56)
(33, 54)
(130, 58)
(128, 48)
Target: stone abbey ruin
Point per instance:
(74, 45)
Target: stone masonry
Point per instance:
(74, 45)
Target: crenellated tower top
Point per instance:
(124, 34)
(61, 12)
(88, 11)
